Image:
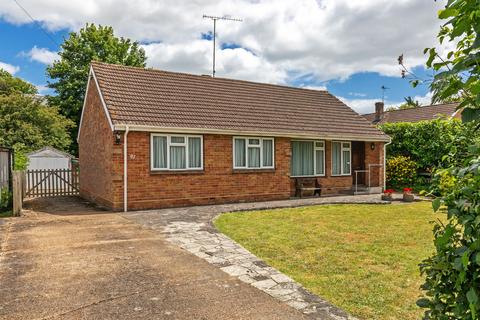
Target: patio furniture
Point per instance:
(307, 184)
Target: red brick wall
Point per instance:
(95, 151)
(217, 183)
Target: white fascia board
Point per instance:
(91, 75)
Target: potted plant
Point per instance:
(407, 195)
(387, 195)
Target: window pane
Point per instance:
(319, 161)
(346, 145)
(336, 158)
(302, 158)
(254, 141)
(159, 152)
(254, 157)
(177, 157)
(318, 144)
(178, 139)
(346, 161)
(240, 153)
(194, 153)
(267, 153)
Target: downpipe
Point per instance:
(385, 164)
(125, 169)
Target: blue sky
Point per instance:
(349, 63)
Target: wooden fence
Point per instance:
(50, 183)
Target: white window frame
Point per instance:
(176, 144)
(260, 146)
(342, 148)
(315, 148)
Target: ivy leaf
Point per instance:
(477, 258)
(423, 303)
(436, 204)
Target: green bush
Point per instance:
(452, 285)
(427, 142)
(401, 172)
(5, 199)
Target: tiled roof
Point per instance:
(416, 114)
(148, 97)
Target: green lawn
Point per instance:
(363, 258)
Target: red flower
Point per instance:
(407, 190)
(389, 191)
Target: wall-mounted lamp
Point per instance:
(118, 137)
(372, 145)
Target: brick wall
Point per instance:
(95, 151)
(218, 182)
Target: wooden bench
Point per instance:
(307, 184)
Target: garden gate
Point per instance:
(51, 182)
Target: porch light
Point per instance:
(372, 145)
(118, 137)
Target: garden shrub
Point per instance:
(452, 273)
(401, 172)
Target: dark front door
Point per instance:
(358, 160)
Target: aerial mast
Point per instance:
(215, 18)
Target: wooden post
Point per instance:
(17, 192)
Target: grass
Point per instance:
(362, 258)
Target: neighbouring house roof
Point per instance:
(49, 152)
(415, 114)
(154, 98)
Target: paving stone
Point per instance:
(235, 270)
(264, 284)
(280, 277)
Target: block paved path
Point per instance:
(66, 260)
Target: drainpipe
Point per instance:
(125, 170)
(385, 164)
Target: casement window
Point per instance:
(253, 153)
(341, 158)
(308, 158)
(176, 152)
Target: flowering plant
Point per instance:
(389, 191)
(407, 190)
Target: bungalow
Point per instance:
(152, 139)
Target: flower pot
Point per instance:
(408, 197)
(387, 197)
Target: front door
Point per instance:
(358, 160)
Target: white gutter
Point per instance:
(385, 164)
(340, 137)
(125, 170)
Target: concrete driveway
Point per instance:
(67, 260)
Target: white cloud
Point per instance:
(328, 39)
(9, 67)
(41, 55)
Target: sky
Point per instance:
(349, 48)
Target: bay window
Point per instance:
(253, 153)
(308, 158)
(341, 158)
(176, 152)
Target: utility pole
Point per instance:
(215, 18)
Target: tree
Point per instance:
(70, 72)
(10, 84)
(452, 283)
(28, 123)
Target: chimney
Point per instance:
(378, 111)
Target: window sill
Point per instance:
(253, 170)
(341, 175)
(176, 172)
(312, 176)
